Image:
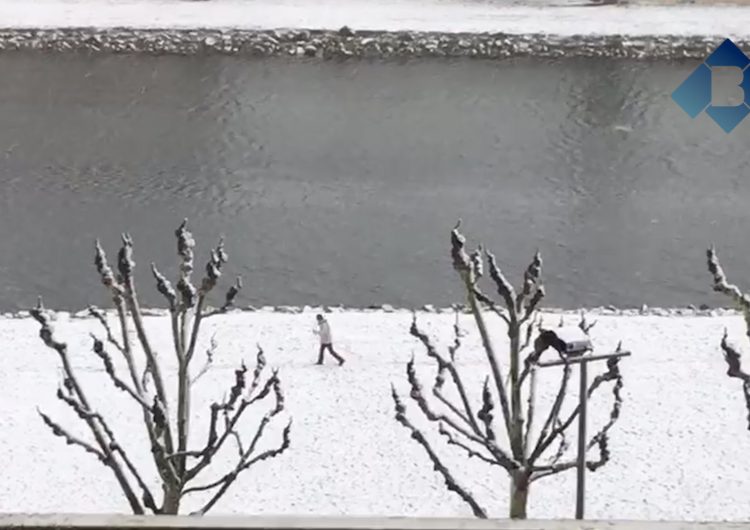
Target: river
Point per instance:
(338, 182)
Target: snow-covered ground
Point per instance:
(680, 450)
(416, 15)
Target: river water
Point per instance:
(339, 182)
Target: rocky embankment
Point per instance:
(346, 43)
(690, 311)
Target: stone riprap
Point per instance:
(593, 312)
(346, 43)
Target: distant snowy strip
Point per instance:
(408, 15)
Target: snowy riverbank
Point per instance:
(375, 28)
(679, 450)
(445, 16)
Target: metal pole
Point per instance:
(583, 360)
(582, 399)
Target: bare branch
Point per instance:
(237, 438)
(486, 300)
(226, 481)
(115, 447)
(562, 447)
(146, 495)
(418, 397)
(57, 430)
(105, 271)
(742, 300)
(450, 482)
(185, 245)
(461, 260)
(472, 453)
(457, 334)
(530, 410)
(112, 446)
(531, 284)
(614, 413)
(188, 293)
(530, 327)
(485, 416)
(246, 456)
(552, 418)
(531, 360)
(721, 285)
(165, 288)
(215, 441)
(504, 287)
(540, 472)
(468, 274)
(164, 468)
(260, 364)
(127, 350)
(213, 273)
(100, 316)
(612, 374)
(126, 265)
(734, 369)
(443, 365)
(485, 413)
(213, 267)
(491, 357)
(229, 298)
(585, 325)
(604, 454)
(210, 351)
(533, 304)
(46, 333)
(109, 367)
(239, 385)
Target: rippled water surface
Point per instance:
(339, 182)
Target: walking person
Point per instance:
(326, 341)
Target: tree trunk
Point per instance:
(519, 494)
(171, 501)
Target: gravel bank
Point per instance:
(345, 43)
(382, 28)
(609, 311)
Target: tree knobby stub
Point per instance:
(742, 302)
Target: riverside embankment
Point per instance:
(370, 29)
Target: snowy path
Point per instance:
(415, 15)
(680, 450)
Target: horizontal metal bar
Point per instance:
(169, 522)
(584, 358)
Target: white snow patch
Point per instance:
(679, 450)
(403, 15)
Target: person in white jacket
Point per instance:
(326, 340)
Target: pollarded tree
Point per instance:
(473, 427)
(742, 301)
(166, 416)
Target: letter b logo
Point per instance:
(698, 92)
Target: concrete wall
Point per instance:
(91, 522)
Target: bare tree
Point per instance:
(476, 431)
(742, 301)
(166, 424)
